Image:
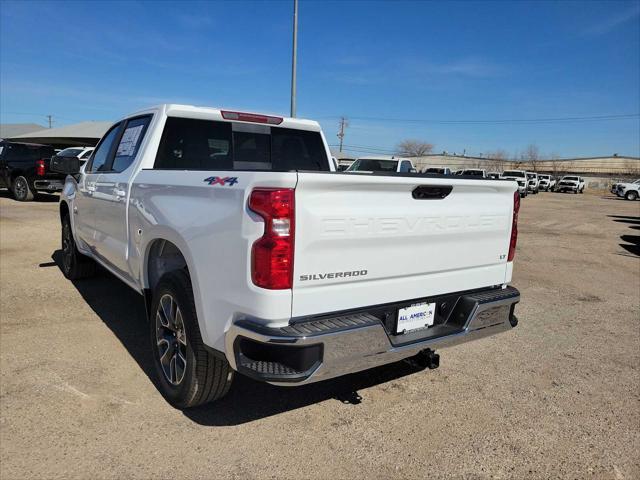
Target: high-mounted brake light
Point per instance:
(514, 226)
(40, 168)
(272, 254)
(251, 117)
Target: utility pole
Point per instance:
(50, 121)
(293, 60)
(343, 124)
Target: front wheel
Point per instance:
(21, 190)
(188, 374)
(631, 195)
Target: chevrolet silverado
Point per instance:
(253, 255)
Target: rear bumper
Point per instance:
(335, 345)
(49, 185)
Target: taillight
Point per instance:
(514, 226)
(251, 117)
(40, 169)
(272, 254)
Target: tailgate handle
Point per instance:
(431, 192)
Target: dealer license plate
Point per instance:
(416, 316)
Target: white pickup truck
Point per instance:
(520, 176)
(547, 182)
(383, 164)
(254, 256)
(630, 191)
(570, 183)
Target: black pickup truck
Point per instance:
(24, 169)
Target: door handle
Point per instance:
(119, 193)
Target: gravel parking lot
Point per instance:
(559, 396)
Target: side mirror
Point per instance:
(68, 165)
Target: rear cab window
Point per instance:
(405, 166)
(194, 144)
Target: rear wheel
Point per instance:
(188, 374)
(21, 190)
(74, 264)
(631, 195)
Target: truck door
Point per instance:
(84, 204)
(4, 151)
(112, 196)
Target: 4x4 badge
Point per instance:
(221, 180)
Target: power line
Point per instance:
(501, 121)
(4, 113)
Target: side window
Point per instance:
(130, 143)
(101, 155)
(190, 144)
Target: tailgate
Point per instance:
(365, 240)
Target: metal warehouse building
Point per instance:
(594, 166)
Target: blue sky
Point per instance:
(396, 69)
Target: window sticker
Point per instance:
(127, 147)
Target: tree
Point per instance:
(498, 159)
(555, 165)
(413, 148)
(531, 155)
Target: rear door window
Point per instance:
(192, 144)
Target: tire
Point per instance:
(631, 195)
(21, 190)
(74, 265)
(204, 377)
